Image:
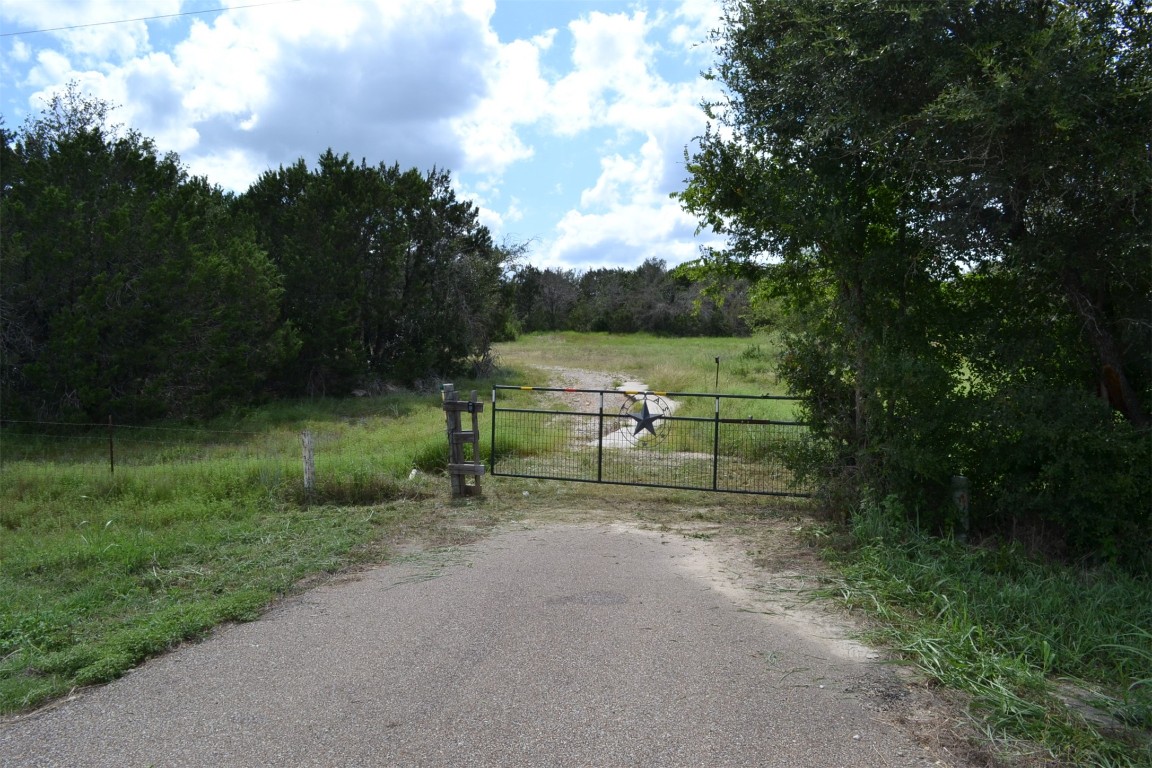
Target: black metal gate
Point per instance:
(695, 441)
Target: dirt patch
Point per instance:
(771, 567)
(580, 378)
(619, 432)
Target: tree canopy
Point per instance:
(649, 299)
(386, 272)
(954, 200)
(127, 287)
(132, 289)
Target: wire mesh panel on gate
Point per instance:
(641, 438)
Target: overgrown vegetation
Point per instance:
(667, 364)
(199, 526)
(941, 209)
(102, 569)
(945, 208)
(648, 299)
(134, 290)
(1054, 657)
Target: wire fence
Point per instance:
(108, 452)
(729, 443)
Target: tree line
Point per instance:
(648, 299)
(131, 288)
(952, 203)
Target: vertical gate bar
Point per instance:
(492, 448)
(716, 446)
(600, 442)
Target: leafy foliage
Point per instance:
(1020, 635)
(128, 287)
(951, 202)
(133, 290)
(649, 299)
(386, 273)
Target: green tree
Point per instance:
(901, 173)
(127, 287)
(544, 298)
(387, 275)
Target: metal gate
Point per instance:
(694, 441)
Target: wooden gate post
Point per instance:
(460, 467)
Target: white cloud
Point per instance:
(230, 169)
(697, 19)
(382, 81)
(20, 52)
(89, 44)
(419, 83)
(50, 67)
(624, 236)
(514, 212)
(627, 213)
(611, 64)
(514, 94)
(223, 69)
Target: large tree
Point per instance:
(954, 198)
(128, 289)
(387, 273)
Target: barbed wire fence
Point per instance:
(110, 451)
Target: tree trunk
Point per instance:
(1114, 384)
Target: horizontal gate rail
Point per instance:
(636, 437)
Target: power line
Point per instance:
(145, 18)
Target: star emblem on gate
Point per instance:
(645, 420)
(644, 412)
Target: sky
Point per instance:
(564, 121)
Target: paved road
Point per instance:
(594, 645)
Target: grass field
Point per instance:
(100, 570)
(675, 365)
(102, 567)
(107, 560)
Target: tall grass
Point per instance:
(102, 564)
(1053, 655)
(99, 570)
(1056, 655)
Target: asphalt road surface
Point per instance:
(592, 645)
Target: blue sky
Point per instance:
(564, 121)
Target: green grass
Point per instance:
(1023, 638)
(109, 559)
(664, 364)
(100, 569)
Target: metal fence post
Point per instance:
(600, 442)
(716, 446)
(309, 458)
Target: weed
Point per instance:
(1008, 629)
